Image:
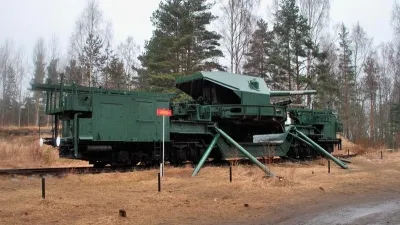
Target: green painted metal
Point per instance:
(243, 89)
(76, 134)
(96, 116)
(232, 81)
(123, 118)
(257, 150)
(246, 153)
(75, 89)
(239, 102)
(321, 125)
(190, 127)
(62, 97)
(287, 93)
(206, 154)
(119, 118)
(225, 88)
(240, 105)
(317, 147)
(208, 113)
(261, 146)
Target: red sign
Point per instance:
(164, 112)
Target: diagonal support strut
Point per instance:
(302, 137)
(206, 154)
(241, 149)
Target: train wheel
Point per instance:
(99, 164)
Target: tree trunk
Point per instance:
(371, 120)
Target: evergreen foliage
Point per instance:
(52, 72)
(92, 59)
(346, 77)
(258, 56)
(181, 44)
(292, 40)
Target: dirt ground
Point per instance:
(208, 198)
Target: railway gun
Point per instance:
(117, 127)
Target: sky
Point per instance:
(23, 21)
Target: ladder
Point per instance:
(157, 148)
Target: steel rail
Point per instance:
(62, 170)
(93, 170)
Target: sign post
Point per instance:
(163, 112)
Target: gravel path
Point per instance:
(381, 212)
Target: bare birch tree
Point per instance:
(236, 26)
(54, 48)
(370, 87)
(89, 22)
(54, 59)
(5, 61)
(317, 14)
(91, 32)
(39, 54)
(395, 20)
(361, 47)
(128, 51)
(384, 90)
(20, 74)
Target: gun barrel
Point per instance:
(286, 93)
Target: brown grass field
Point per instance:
(19, 148)
(208, 198)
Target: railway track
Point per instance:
(61, 170)
(93, 170)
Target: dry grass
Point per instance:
(19, 150)
(7, 131)
(208, 198)
(358, 149)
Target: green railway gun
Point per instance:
(242, 108)
(119, 127)
(104, 126)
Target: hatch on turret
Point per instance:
(225, 88)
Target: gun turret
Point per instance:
(287, 93)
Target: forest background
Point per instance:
(292, 45)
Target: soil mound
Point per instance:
(346, 143)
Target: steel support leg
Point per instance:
(76, 135)
(205, 155)
(307, 140)
(246, 153)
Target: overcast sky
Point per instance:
(24, 20)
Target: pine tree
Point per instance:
(326, 82)
(180, 45)
(116, 73)
(73, 72)
(394, 125)
(10, 99)
(259, 53)
(92, 60)
(52, 72)
(292, 42)
(370, 82)
(107, 58)
(11, 87)
(347, 78)
(39, 73)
